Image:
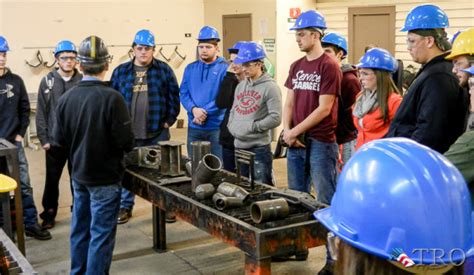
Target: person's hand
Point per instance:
(290, 138)
(18, 138)
(198, 121)
(47, 146)
(200, 115)
(166, 125)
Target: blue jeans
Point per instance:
(263, 164)
(128, 198)
(93, 227)
(348, 149)
(228, 159)
(29, 208)
(317, 162)
(205, 135)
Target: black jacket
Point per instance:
(433, 111)
(94, 125)
(52, 87)
(224, 100)
(14, 106)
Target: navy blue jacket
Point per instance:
(14, 107)
(163, 92)
(433, 110)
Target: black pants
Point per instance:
(56, 159)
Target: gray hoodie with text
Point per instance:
(257, 109)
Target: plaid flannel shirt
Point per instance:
(163, 92)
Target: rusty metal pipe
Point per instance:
(204, 191)
(268, 210)
(152, 155)
(207, 168)
(232, 190)
(222, 202)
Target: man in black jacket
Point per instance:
(53, 86)
(93, 124)
(14, 119)
(225, 100)
(434, 107)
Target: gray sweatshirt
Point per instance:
(256, 110)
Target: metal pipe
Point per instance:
(268, 210)
(171, 158)
(232, 190)
(222, 202)
(189, 168)
(198, 150)
(152, 155)
(204, 191)
(207, 168)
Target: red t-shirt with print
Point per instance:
(308, 80)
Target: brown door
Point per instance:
(236, 27)
(370, 26)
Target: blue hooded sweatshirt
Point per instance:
(200, 87)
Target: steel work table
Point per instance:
(291, 236)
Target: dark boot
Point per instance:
(48, 218)
(124, 215)
(37, 232)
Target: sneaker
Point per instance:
(170, 218)
(37, 232)
(124, 215)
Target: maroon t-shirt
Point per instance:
(308, 80)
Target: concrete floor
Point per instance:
(190, 250)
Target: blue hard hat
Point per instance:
(65, 46)
(425, 17)
(208, 33)
(378, 58)
(310, 19)
(469, 70)
(250, 51)
(236, 46)
(336, 40)
(398, 194)
(3, 44)
(145, 38)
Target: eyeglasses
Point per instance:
(249, 64)
(67, 58)
(460, 64)
(143, 48)
(411, 42)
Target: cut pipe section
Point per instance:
(269, 210)
(222, 202)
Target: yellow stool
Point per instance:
(7, 184)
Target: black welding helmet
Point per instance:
(92, 50)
